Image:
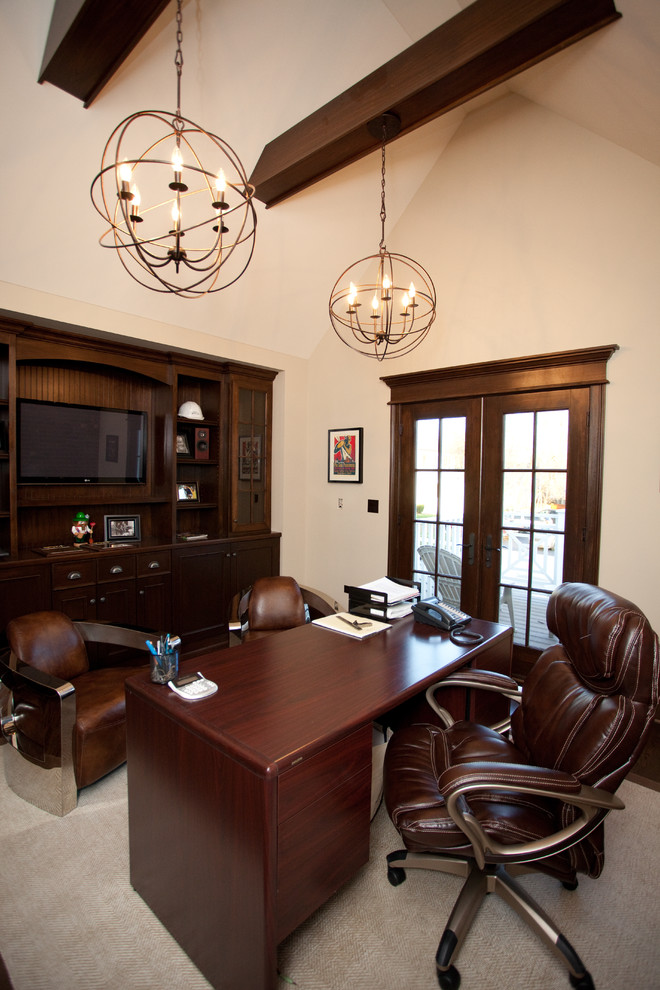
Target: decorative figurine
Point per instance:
(81, 529)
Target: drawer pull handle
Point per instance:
(74, 576)
(116, 569)
(153, 565)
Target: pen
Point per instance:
(353, 622)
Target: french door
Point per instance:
(496, 501)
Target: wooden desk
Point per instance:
(247, 810)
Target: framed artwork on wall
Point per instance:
(345, 455)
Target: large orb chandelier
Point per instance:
(174, 222)
(383, 306)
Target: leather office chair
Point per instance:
(66, 723)
(470, 801)
(275, 603)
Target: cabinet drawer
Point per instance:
(116, 568)
(305, 783)
(160, 561)
(74, 572)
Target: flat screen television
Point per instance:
(65, 444)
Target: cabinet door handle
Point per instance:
(74, 576)
(102, 599)
(141, 591)
(154, 565)
(116, 569)
(92, 601)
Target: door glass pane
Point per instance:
(533, 512)
(426, 445)
(518, 441)
(552, 438)
(453, 443)
(439, 506)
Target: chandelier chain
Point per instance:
(383, 214)
(178, 60)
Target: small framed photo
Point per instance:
(249, 458)
(345, 455)
(187, 491)
(182, 445)
(122, 529)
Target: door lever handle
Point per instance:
(489, 551)
(469, 546)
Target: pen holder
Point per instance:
(164, 667)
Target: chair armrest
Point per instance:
(44, 738)
(458, 782)
(238, 612)
(483, 680)
(319, 602)
(101, 632)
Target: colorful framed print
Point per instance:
(345, 455)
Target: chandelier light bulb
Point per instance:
(125, 172)
(220, 181)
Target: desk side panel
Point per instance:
(200, 848)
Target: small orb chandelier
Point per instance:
(173, 222)
(396, 295)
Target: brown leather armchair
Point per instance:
(473, 802)
(65, 722)
(275, 603)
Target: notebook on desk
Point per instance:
(349, 625)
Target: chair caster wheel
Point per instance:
(396, 875)
(583, 982)
(569, 886)
(449, 979)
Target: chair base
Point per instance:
(493, 879)
(53, 790)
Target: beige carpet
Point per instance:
(71, 921)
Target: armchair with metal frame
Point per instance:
(486, 803)
(65, 722)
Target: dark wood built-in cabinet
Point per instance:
(204, 509)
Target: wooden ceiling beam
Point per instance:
(89, 39)
(483, 45)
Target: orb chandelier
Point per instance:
(174, 221)
(383, 306)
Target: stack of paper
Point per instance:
(399, 597)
